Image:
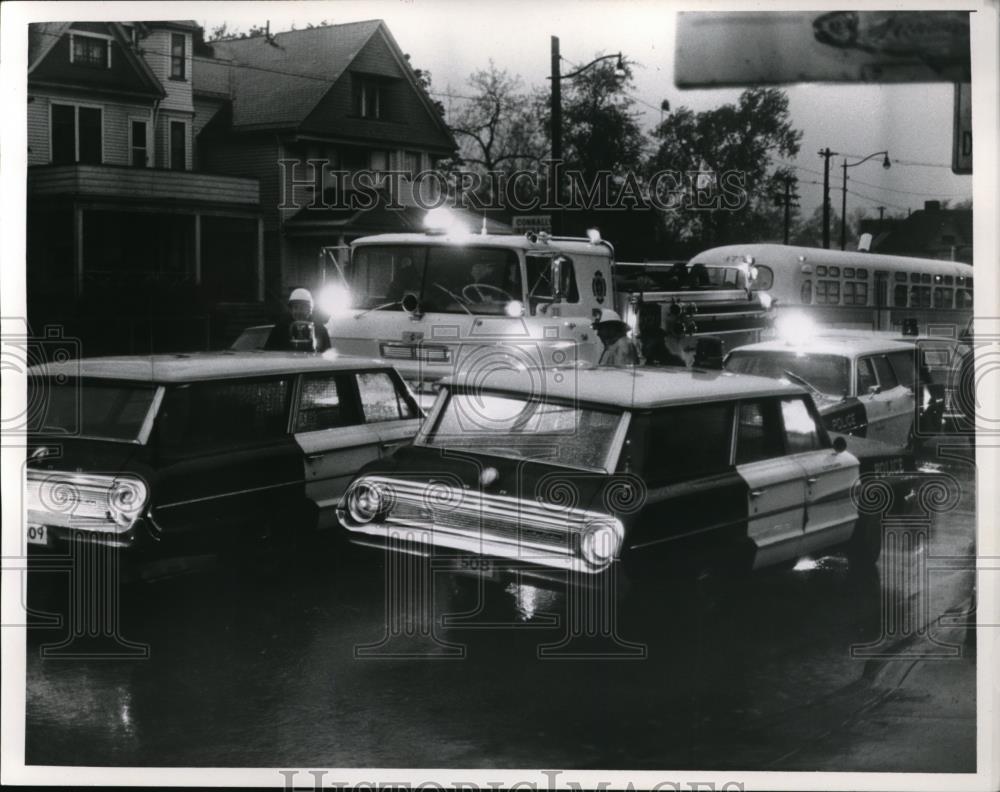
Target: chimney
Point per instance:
(932, 206)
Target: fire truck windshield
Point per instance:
(444, 278)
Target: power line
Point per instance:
(877, 186)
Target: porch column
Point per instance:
(197, 249)
(260, 259)
(78, 249)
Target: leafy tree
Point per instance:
(424, 81)
(223, 31)
(808, 232)
(733, 147)
(601, 129)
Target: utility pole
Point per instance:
(826, 154)
(556, 135)
(788, 201)
(881, 215)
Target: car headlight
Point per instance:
(600, 543)
(367, 501)
(126, 500)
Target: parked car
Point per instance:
(863, 385)
(594, 467)
(159, 455)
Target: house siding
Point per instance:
(155, 49)
(115, 121)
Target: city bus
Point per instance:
(855, 289)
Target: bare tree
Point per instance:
(497, 128)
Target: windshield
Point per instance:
(829, 374)
(514, 426)
(92, 409)
(443, 278)
(678, 276)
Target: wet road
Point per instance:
(294, 669)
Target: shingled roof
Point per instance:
(278, 82)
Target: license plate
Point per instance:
(36, 535)
(475, 565)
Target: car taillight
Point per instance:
(126, 500)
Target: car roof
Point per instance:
(508, 241)
(201, 366)
(639, 387)
(890, 335)
(841, 345)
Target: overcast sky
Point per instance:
(453, 39)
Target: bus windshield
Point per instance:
(444, 278)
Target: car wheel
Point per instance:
(865, 545)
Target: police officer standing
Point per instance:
(298, 331)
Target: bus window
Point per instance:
(821, 270)
(862, 274)
(963, 298)
(925, 277)
(943, 297)
(920, 296)
(901, 277)
(948, 280)
(855, 293)
(827, 292)
(765, 277)
(807, 292)
(848, 272)
(834, 272)
(914, 277)
(899, 296)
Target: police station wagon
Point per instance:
(862, 385)
(166, 453)
(591, 466)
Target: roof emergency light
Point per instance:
(442, 220)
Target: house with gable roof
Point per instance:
(130, 242)
(289, 108)
(177, 189)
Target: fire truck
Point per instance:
(448, 301)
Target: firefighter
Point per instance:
(297, 331)
(619, 351)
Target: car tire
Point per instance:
(865, 546)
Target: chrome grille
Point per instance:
(431, 353)
(456, 517)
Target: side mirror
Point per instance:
(874, 390)
(556, 276)
(839, 444)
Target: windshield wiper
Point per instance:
(456, 298)
(803, 381)
(378, 308)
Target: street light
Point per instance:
(557, 77)
(843, 191)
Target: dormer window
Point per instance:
(90, 51)
(367, 96)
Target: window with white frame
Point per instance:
(76, 134)
(178, 56)
(367, 96)
(138, 145)
(90, 51)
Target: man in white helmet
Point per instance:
(619, 351)
(298, 331)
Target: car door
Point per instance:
(329, 428)
(867, 390)
(388, 408)
(830, 513)
(889, 406)
(224, 455)
(775, 482)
